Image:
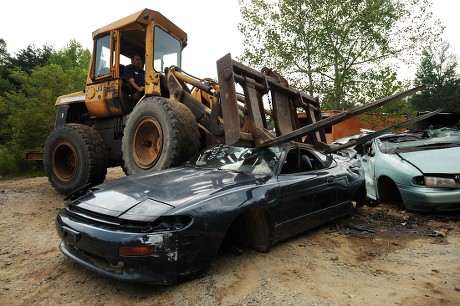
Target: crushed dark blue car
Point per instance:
(165, 226)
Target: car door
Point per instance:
(304, 193)
(368, 164)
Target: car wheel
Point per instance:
(402, 206)
(372, 203)
(159, 134)
(259, 232)
(352, 209)
(74, 156)
(360, 196)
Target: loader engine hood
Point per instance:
(76, 97)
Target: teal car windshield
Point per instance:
(410, 143)
(239, 159)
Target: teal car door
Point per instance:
(368, 163)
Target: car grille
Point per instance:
(107, 222)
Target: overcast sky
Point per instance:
(211, 25)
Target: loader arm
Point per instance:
(288, 103)
(325, 123)
(260, 87)
(363, 139)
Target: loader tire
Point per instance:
(159, 134)
(75, 156)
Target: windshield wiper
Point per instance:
(438, 144)
(426, 146)
(231, 170)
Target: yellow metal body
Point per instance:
(151, 35)
(103, 93)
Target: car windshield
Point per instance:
(436, 139)
(240, 159)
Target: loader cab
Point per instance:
(146, 33)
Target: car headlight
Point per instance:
(147, 210)
(435, 181)
(152, 213)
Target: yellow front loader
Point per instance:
(176, 115)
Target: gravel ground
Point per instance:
(380, 256)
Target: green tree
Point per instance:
(31, 109)
(74, 60)
(65, 73)
(73, 55)
(28, 111)
(24, 60)
(5, 68)
(437, 72)
(4, 55)
(334, 48)
(31, 57)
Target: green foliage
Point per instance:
(34, 101)
(71, 57)
(8, 164)
(5, 67)
(31, 57)
(12, 164)
(24, 61)
(338, 48)
(27, 109)
(4, 55)
(437, 72)
(376, 85)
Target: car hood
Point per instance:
(435, 161)
(153, 194)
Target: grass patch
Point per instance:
(13, 166)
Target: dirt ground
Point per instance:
(380, 256)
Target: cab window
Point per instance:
(102, 59)
(167, 50)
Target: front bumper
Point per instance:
(426, 199)
(96, 248)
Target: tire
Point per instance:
(360, 196)
(372, 203)
(351, 210)
(75, 156)
(159, 134)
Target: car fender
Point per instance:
(397, 169)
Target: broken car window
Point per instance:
(240, 159)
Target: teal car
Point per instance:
(419, 170)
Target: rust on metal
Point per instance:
(269, 87)
(370, 136)
(34, 155)
(259, 88)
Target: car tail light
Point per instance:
(135, 250)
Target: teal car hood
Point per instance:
(435, 161)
